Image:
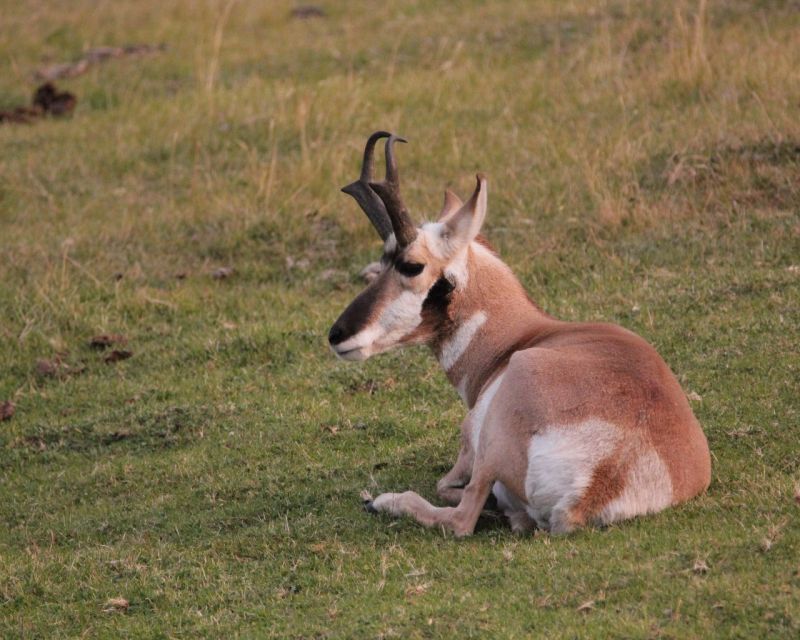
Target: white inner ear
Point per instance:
(465, 225)
(440, 240)
(443, 246)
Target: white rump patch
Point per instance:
(648, 490)
(562, 459)
(455, 347)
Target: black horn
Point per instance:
(367, 199)
(389, 192)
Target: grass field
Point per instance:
(644, 168)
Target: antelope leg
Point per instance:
(460, 520)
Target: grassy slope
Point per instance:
(645, 169)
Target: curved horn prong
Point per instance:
(389, 192)
(367, 199)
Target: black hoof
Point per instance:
(368, 507)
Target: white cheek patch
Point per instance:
(455, 347)
(398, 318)
(401, 316)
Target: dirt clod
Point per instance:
(7, 410)
(54, 102)
(47, 368)
(118, 354)
(46, 101)
(106, 340)
(222, 273)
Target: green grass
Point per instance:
(644, 167)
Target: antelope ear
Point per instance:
(464, 225)
(452, 203)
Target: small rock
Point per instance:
(694, 396)
(417, 589)
(700, 567)
(116, 605)
(302, 263)
(222, 273)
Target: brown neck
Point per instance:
(490, 319)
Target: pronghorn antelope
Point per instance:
(569, 423)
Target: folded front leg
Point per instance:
(451, 487)
(460, 520)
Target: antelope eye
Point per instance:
(409, 269)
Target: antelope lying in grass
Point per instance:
(569, 423)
